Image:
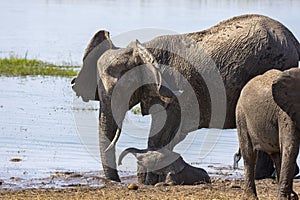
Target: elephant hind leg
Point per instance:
(248, 153)
(277, 160)
(289, 139)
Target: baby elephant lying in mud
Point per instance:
(168, 165)
(268, 119)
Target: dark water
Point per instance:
(55, 134)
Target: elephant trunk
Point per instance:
(107, 130)
(133, 151)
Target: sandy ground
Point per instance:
(218, 189)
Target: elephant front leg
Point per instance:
(164, 132)
(289, 137)
(141, 174)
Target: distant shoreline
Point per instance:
(16, 66)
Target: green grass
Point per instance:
(15, 66)
(136, 110)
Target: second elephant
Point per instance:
(268, 119)
(168, 165)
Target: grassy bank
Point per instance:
(15, 66)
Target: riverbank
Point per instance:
(218, 189)
(16, 66)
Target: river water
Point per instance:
(53, 134)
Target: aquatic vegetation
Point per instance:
(15, 66)
(136, 110)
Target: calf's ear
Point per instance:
(286, 93)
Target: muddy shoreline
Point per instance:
(218, 189)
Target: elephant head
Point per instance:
(154, 159)
(159, 162)
(119, 78)
(168, 165)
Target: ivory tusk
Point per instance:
(114, 141)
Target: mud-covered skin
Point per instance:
(241, 47)
(267, 113)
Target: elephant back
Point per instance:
(285, 90)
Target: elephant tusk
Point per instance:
(114, 141)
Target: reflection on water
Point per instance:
(59, 30)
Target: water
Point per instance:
(59, 30)
(55, 134)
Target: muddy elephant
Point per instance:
(268, 119)
(185, 81)
(168, 166)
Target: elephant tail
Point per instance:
(133, 151)
(236, 158)
(285, 91)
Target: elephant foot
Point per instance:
(112, 177)
(292, 196)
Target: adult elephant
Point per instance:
(211, 66)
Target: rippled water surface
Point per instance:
(59, 30)
(48, 138)
(52, 134)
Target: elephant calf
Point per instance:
(168, 165)
(267, 117)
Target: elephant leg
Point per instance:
(151, 178)
(264, 166)
(248, 153)
(289, 138)
(141, 174)
(277, 160)
(164, 127)
(249, 165)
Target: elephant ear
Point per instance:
(285, 90)
(85, 84)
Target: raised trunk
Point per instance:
(133, 151)
(107, 130)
